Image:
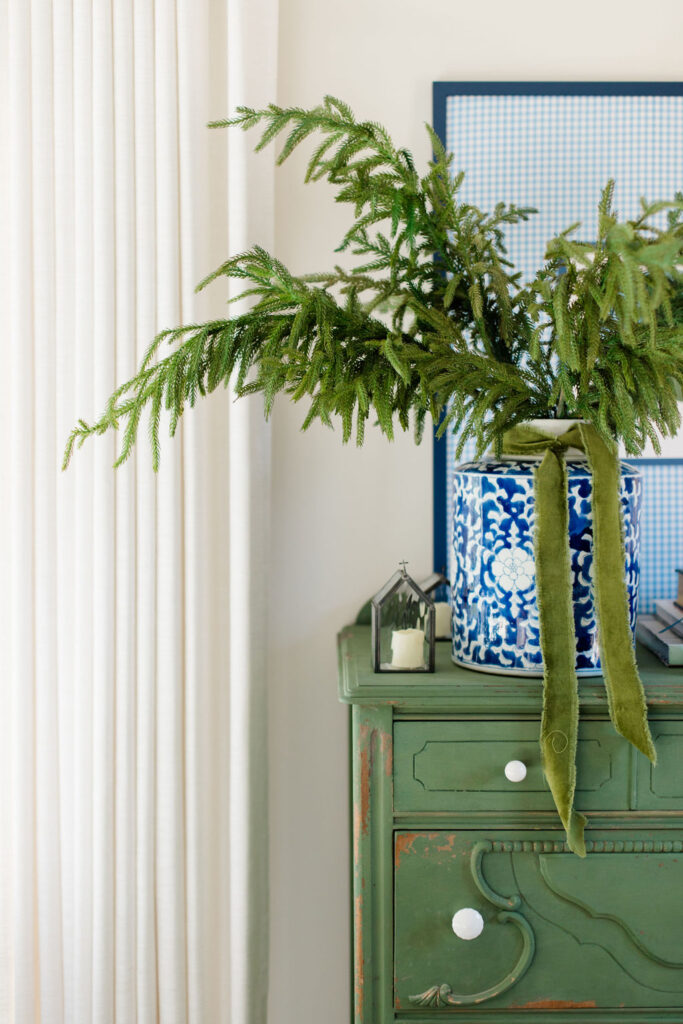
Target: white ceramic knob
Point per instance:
(515, 771)
(467, 923)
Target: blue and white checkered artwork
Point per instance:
(555, 151)
(661, 529)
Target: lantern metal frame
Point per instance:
(391, 587)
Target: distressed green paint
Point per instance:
(460, 766)
(605, 934)
(427, 756)
(454, 689)
(372, 784)
(660, 787)
(506, 912)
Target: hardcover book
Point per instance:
(649, 632)
(671, 615)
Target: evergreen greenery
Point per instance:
(433, 317)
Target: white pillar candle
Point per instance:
(442, 629)
(407, 648)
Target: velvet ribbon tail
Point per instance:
(560, 719)
(625, 694)
(626, 698)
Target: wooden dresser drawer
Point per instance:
(559, 933)
(460, 766)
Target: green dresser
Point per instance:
(438, 828)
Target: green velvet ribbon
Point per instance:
(625, 695)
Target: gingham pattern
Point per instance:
(661, 531)
(556, 153)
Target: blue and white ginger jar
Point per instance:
(493, 579)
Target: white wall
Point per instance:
(343, 517)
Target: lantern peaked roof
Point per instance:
(399, 579)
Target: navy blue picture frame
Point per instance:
(441, 91)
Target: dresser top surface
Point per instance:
(459, 690)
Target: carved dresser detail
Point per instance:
(467, 904)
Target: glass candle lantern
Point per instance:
(403, 621)
(438, 589)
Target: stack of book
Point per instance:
(663, 632)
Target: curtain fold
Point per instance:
(252, 28)
(133, 805)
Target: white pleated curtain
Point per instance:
(133, 883)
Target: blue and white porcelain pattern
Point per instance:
(495, 613)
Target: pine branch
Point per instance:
(432, 318)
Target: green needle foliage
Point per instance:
(433, 318)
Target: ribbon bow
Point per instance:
(625, 695)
